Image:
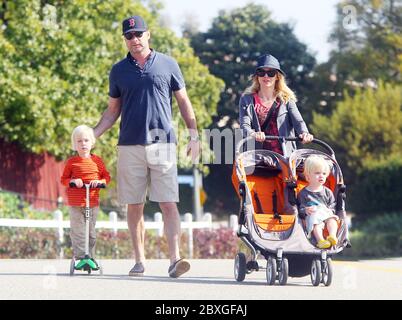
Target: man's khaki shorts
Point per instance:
(150, 168)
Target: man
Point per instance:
(140, 90)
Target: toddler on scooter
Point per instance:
(83, 168)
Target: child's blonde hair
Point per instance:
(79, 131)
(315, 162)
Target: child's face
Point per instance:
(317, 177)
(83, 144)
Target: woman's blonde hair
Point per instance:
(79, 131)
(282, 91)
(315, 162)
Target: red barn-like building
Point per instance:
(36, 177)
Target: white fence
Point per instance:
(188, 225)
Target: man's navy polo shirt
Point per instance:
(146, 98)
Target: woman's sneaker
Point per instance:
(138, 270)
(180, 267)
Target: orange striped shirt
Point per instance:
(86, 169)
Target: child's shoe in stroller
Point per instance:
(323, 244)
(332, 240)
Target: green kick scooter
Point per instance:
(87, 264)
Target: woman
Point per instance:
(268, 107)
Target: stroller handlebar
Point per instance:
(283, 139)
(98, 186)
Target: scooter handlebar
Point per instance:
(98, 186)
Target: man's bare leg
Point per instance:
(135, 221)
(171, 220)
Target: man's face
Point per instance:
(137, 41)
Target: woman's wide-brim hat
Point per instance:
(268, 61)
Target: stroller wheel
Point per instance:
(72, 266)
(240, 267)
(271, 270)
(327, 272)
(284, 272)
(316, 272)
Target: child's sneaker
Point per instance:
(324, 244)
(332, 240)
(80, 264)
(95, 265)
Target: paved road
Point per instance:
(208, 279)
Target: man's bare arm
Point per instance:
(187, 112)
(109, 117)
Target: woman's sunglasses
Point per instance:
(269, 73)
(130, 35)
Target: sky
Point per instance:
(312, 19)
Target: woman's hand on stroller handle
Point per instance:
(282, 139)
(259, 136)
(306, 137)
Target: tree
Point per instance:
(55, 60)
(367, 39)
(234, 42)
(230, 48)
(364, 128)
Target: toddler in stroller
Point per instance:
(317, 202)
(269, 224)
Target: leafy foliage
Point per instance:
(378, 187)
(379, 236)
(367, 42)
(27, 244)
(230, 48)
(30, 243)
(364, 128)
(368, 38)
(234, 42)
(55, 64)
(13, 206)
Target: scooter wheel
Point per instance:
(72, 266)
(100, 268)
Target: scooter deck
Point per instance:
(86, 264)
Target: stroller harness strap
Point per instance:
(275, 207)
(258, 202)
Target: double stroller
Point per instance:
(267, 184)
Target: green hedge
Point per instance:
(11, 207)
(31, 243)
(378, 188)
(379, 236)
